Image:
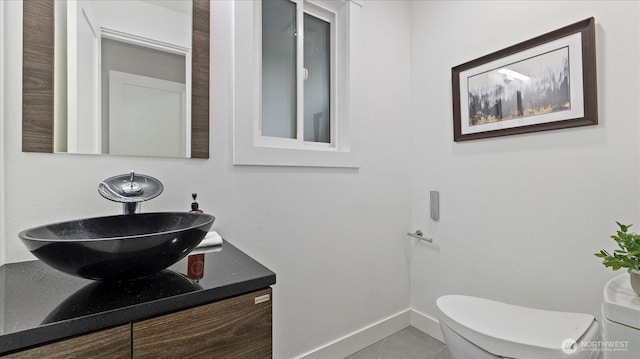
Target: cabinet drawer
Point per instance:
(114, 343)
(239, 327)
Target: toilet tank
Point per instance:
(620, 320)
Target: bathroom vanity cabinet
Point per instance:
(238, 327)
(227, 313)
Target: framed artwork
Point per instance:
(545, 83)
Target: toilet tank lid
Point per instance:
(509, 330)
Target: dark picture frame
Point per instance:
(545, 83)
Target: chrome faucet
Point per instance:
(131, 190)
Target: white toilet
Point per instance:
(477, 328)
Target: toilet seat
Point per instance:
(515, 332)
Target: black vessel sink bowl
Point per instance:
(120, 247)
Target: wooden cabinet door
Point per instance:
(114, 343)
(238, 327)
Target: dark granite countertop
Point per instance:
(40, 304)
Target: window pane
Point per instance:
(317, 60)
(279, 68)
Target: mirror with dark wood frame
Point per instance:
(38, 75)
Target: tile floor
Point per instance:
(409, 343)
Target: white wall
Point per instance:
(335, 237)
(2, 170)
(521, 216)
(2, 139)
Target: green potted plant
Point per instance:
(626, 256)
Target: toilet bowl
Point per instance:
(477, 328)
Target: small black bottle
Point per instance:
(194, 205)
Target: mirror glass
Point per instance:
(82, 91)
(122, 77)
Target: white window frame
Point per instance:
(330, 16)
(249, 146)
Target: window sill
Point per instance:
(299, 157)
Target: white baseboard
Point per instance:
(426, 324)
(362, 338)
